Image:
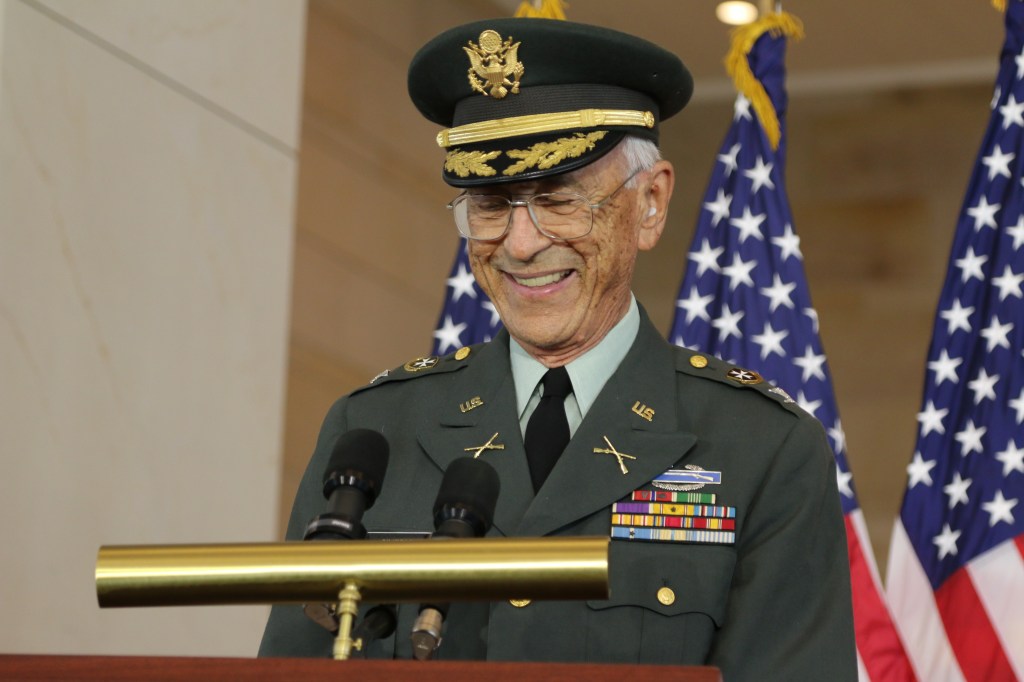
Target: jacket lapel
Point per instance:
(635, 414)
(480, 404)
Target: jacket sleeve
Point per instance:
(789, 615)
(289, 633)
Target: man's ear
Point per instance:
(659, 193)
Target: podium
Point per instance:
(172, 669)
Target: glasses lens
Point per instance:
(481, 216)
(562, 214)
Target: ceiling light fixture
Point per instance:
(736, 12)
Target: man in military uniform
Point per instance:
(728, 546)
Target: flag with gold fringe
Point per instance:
(956, 564)
(745, 298)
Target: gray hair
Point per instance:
(640, 154)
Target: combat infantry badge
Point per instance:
(492, 64)
(691, 477)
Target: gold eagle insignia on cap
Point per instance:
(492, 64)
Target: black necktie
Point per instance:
(547, 432)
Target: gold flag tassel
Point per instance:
(738, 66)
(542, 9)
(999, 5)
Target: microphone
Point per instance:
(351, 483)
(464, 508)
(378, 623)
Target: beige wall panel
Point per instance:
(144, 279)
(241, 55)
(315, 381)
(366, 323)
(398, 235)
(3, 6)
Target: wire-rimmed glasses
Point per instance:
(557, 215)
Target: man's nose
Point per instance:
(523, 240)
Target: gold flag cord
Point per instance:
(737, 65)
(543, 9)
(999, 5)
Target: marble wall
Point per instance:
(148, 155)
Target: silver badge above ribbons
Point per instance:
(692, 477)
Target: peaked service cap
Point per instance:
(526, 98)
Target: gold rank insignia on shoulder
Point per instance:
(698, 361)
(421, 363)
(462, 353)
(494, 66)
(744, 376)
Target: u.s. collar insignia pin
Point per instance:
(421, 363)
(494, 66)
(690, 477)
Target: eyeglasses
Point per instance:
(557, 215)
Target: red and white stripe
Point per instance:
(972, 628)
(880, 653)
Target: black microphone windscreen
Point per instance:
(362, 453)
(472, 484)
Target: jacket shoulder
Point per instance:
(710, 368)
(428, 365)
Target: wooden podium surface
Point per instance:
(28, 667)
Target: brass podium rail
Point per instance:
(478, 569)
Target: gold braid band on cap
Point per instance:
(534, 124)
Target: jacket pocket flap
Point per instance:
(669, 578)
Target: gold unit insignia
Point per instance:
(494, 66)
(421, 363)
(744, 376)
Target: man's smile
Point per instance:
(533, 281)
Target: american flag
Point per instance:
(744, 298)
(467, 316)
(956, 572)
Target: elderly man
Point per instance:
(719, 494)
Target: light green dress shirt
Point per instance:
(588, 373)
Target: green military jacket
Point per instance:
(773, 604)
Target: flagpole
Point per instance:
(769, 6)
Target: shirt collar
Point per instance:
(589, 372)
